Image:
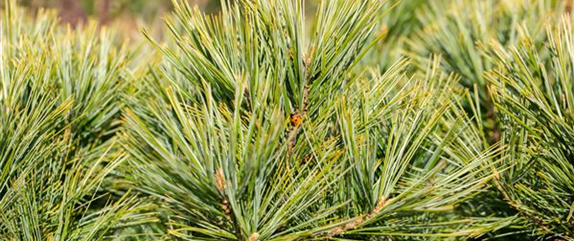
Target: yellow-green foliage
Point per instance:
(355, 120)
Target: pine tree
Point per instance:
(291, 120)
(59, 109)
(251, 131)
(534, 97)
(459, 30)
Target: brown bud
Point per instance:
(220, 180)
(254, 237)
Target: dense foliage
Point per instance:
(283, 120)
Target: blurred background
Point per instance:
(131, 16)
(106, 11)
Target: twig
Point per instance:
(359, 220)
(225, 207)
